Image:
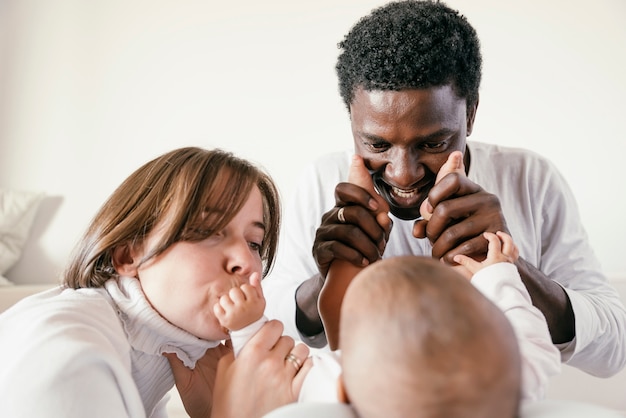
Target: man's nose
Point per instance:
(403, 169)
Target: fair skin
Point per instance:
(237, 309)
(502, 249)
(260, 370)
(185, 283)
(254, 374)
(187, 280)
(241, 306)
(443, 367)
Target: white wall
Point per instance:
(89, 90)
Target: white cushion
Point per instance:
(17, 213)
(10, 295)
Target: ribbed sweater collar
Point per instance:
(150, 335)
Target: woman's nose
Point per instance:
(240, 259)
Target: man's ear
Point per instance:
(470, 117)
(125, 260)
(342, 396)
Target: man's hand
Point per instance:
(362, 236)
(454, 164)
(459, 211)
(341, 272)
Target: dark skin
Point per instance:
(405, 137)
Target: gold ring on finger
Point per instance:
(293, 360)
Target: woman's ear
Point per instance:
(342, 396)
(125, 261)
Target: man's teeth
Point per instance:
(405, 194)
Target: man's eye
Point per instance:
(433, 145)
(377, 146)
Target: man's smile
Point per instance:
(404, 203)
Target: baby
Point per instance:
(417, 339)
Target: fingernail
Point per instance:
(429, 207)
(372, 204)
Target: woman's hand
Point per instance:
(267, 374)
(197, 387)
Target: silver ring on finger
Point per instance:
(340, 216)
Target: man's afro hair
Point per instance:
(410, 44)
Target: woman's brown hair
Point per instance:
(190, 192)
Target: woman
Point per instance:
(139, 294)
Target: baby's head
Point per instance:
(417, 339)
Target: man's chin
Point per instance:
(407, 214)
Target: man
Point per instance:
(409, 74)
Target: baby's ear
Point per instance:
(342, 396)
(125, 261)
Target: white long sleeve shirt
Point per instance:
(502, 284)
(90, 353)
(542, 217)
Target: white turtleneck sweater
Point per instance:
(90, 353)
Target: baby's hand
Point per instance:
(501, 249)
(242, 305)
